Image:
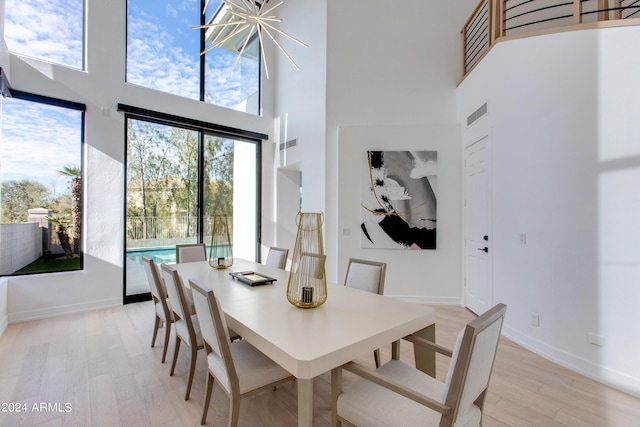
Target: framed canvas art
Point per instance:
(399, 204)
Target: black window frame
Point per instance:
(203, 128)
(71, 105)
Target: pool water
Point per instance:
(159, 256)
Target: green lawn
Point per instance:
(49, 264)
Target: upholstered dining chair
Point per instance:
(163, 314)
(186, 323)
(191, 252)
(368, 276)
(240, 369)
(400, 395)
(314, 263)
(277, 257)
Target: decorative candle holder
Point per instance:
(221, 252)
(307, 286)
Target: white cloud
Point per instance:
(157, 58)
(162, 51)
(38, 141)
(51, 30)
(171, 11)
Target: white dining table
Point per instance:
(308, 342)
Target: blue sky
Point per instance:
(168, 61)
(162, 48)
(23, 154)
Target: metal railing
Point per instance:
(173, 227)
(495, 19)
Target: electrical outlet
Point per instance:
(535, 319)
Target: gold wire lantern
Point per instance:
(307, 287)
(221, 252)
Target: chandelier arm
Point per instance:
(266, 12)
(244, 45)
(285, 34)
(262, 55)
(220, 24)
(281, 48)
(208, 49)
(233, 33)
(250, 5)
(242, 7)
(245, 14)
(271, 18)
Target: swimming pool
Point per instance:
(158, 255)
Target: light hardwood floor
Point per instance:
(97, 369)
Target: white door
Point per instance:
(477, 217)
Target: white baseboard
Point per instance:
(577, 364)
(63, 310)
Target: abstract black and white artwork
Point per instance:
(399, 202)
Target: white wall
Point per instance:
(300, 114)
(4, 318)
(562, 112)
(354, 74)
(25, 241)
(101, 87)
(392, 68)
(423, 276)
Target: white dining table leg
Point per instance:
(305, 402)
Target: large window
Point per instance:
(178, 177)
(163, 53)
(41, 177)
(52, 30)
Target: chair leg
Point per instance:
(156, 326)
(234, 411)
(376, 356)
(175, 355)
(167, 334)
(207, 397)
(336, 389)
(192, 370)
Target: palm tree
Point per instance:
(61, 223)
(74, 173)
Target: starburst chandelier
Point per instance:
(252, 17)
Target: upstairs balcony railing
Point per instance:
(498, 19)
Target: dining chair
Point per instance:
(162, 308)
(191, 252)
(368, 276)
(313, 263)
(240, 369)
(186, 323)
(277, 257)
(400, 395)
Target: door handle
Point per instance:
(485, 249)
